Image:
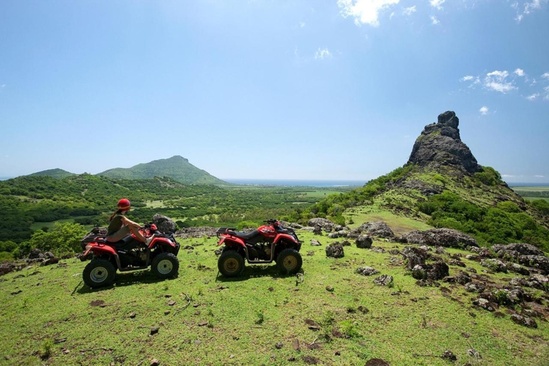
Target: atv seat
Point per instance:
(127, 243)
(244, 235)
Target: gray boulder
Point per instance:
(325, 224)
(164, 224)
(364, 241)
(448, 238)
(335, 250)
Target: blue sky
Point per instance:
(288, 89)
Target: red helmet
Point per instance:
(124, 204)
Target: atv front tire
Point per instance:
(165, 265)
(230, 263)
(99, 273)
(289, 261)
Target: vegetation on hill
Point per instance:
(31, 204)
(176, 167)
(54, 173)
(479, 204)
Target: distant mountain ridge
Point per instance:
(54, 173)
(176, 167)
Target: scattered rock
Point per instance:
(494, 265)
(376, 362)
(315, 243)
(295, 345)
(378, 229)
(325, 224)
(484, 304)
(414, 256)
(449, 355)
(364, 241)
(524, 320)
(335, 250)
(447, 238)
(312, 324)
(383, 280)
(366, 271)
(310, 360)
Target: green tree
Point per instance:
(62, 239)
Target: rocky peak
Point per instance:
(440, 145)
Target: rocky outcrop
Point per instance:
(440, 145)
(448, 238)
(377, 228)
(164, 224)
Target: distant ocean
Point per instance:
(297, 182)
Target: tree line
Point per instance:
(29, 204)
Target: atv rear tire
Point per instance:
(289, 261)
(99, 273)
(165, 265)
(230, 263)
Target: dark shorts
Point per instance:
(119, 235)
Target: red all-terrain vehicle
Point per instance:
(268, 243)
(129, 254)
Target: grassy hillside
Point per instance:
(479, 204)
(176, 167)
(326, 315)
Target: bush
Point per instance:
(488, 176)
(61, 239)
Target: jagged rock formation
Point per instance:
(440, 145)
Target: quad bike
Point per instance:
(268, 243)
(128, 254)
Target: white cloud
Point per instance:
(527, 8)
(484, 110)
(434, 20)
(409, 11)
(519, 72)
(497, 80)
(437, 3)
(545, 75)
(322, 53)
(533, 96)
(364, 11)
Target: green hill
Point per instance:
(54, 173)
(176, 167)
(443, 185)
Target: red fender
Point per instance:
(285, 236)
(231, 240)
(161, 241)
(98, 248)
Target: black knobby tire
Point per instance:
(165, 265)
(99, 273)
(289, 261)
(230, 263)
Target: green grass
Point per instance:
(398, 224)
(50, 318)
